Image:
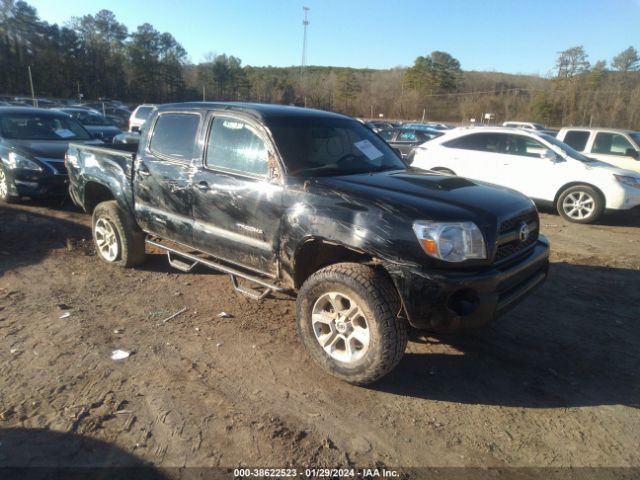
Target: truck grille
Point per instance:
(510, 243)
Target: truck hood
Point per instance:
(426, 196)
(45, 148)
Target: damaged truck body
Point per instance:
(316, 205)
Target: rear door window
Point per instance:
(174, 136)
(483, 142)
(576, 139)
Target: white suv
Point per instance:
(617, 147)
(537, 165)
(139, 116)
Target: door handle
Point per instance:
(143, 170)
(202, 186)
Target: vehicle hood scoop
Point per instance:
(430, 195)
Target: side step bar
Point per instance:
(182, 265)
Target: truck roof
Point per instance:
(262, 111)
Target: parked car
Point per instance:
(315, 204)
(32, 146)
(536, 127)
(95, 123)
(537, 165)
(406, 139)
(617, 147)
(139, 116)
(528, 125)
(429, 127)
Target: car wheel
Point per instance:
(5, 196)
(347, 316)
(446, 171)
(580, 204)
(117, 239)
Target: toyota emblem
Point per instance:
(523, 232)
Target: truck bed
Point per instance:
(113, 167)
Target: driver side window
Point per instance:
(235, 145)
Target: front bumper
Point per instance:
(28, 183)
(447, 300)
(622, 197)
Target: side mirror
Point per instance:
(633, 153)
(552, 156)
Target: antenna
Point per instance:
(305, 22)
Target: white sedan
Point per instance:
(538, 165)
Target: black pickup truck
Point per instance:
(315, 204)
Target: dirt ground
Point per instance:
(554, 383)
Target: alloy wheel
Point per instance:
(578, 205)
(340, 327)
(106, 240)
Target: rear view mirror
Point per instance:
(135, 129)
(632, 152)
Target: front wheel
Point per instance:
(117, 239)
(580, 204)
(348, 321)
(5, 196)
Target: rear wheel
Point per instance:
(5, 196)
(580, 204)
(117, 239)
(348, 321)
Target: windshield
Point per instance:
(30, 126)
(565, 149)
(331, 146)
(636, 138)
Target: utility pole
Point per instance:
(303, 63)
(33, 93)
(305, 22)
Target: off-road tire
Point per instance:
(5, 196)
(598, 203)
(378, 301)
(129, 237)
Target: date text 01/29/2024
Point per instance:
(315, 472)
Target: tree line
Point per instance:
(98, 57)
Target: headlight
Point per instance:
(451, 241)
(630, 181)
(18, 161)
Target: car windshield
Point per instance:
(565, 149)
(29, 126)
(330, 146)
(636, 137)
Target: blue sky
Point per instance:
(513, 36)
